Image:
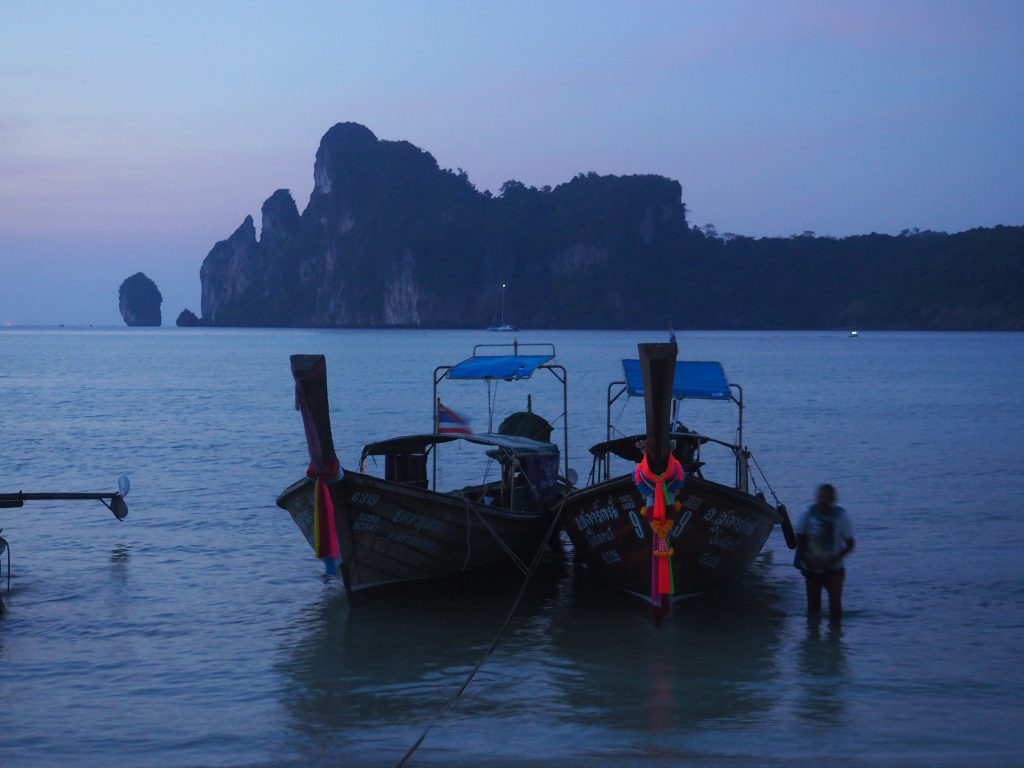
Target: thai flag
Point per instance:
(451, 423)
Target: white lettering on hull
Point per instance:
(413, 540)
(635, 520)
(729, 521)
(709, 561)
(599, 538)
(420, 523)
(596, 516)
(677, 529)
(611, 556)
(366, 522)
(719, 539)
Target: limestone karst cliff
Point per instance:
(390, 239)
(139, 301)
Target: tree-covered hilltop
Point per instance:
(390, 239)
(917, 280)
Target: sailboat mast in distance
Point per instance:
(501, 325)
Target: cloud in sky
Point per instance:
(133, 136)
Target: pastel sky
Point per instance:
(134, 135)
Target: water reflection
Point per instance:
(574, 660)
(715, 659)
(120, 557)
(353, 676)
(822, 664)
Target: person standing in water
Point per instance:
(824, 537)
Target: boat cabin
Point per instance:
(495, 364)
(527, 473)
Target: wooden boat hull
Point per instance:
(715, 537)
(389, 533)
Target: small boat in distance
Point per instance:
(501, 325)
(663, 531)
(377, 532)
(853, 334)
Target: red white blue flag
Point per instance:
(450, 422)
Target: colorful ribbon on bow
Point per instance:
(325, 535)
(659, 491)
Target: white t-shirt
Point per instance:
(827, 534)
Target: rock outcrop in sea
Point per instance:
(139, 301)
(187, 319)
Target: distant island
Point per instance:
(390, 239)
(187, 319)
(139, 301)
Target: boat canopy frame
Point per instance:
(692, 380)
(512, 446)
(493, 362)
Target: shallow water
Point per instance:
(200, 631)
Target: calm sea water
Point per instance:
(201, 632)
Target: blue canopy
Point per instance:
(507, 367)
(694, 379)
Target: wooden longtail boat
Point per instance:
(400, 527)
(713, 530)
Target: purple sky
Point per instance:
(133, 136)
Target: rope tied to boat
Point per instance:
(764, 477)
(534, 564)
(472, 509)
(659, 490)
(780, 508)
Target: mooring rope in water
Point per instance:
(494, 644)
(516, 560)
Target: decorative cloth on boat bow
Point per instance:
(325, 535)
(659, 491)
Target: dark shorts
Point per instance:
(822, 578)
